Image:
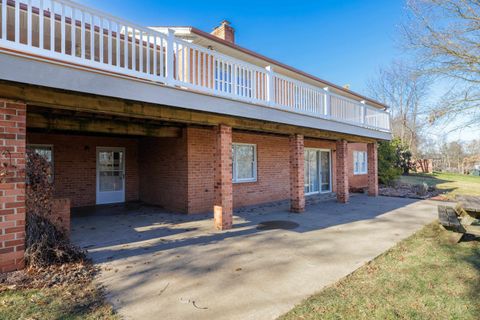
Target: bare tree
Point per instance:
(404, 90)
(446, 36)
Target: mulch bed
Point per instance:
(411, 191)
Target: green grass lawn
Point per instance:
(422, 277)
(66, 302)
(454, 184)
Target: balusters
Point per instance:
(40, 25)
(52, 27)
(170, 55)
(4, 19)
(148, 54)
(82, 35)
(117, 49)
(100, 41)
(126, 45)
(73, 29)
(29, 22)
(92, 37)
(140, 50)
(17, 21)
(155, 38)
(134, 49)
(62, 28)
(109, 46)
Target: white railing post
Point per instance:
(270, 85)
(40, 25)
(29, 22)
(4, 19)
(326, 102)
(363, 112)
(17, 21)
(170, 57)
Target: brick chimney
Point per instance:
(225, 31)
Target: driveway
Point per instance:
(157, 265)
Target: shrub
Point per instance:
(388, 170)
(44, 245)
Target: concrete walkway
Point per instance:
(164, 266)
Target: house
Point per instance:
(174, 117)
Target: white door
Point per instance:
(110, 175)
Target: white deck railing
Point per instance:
(65, 31)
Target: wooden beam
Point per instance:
(65, 123)
(73, 101)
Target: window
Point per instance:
(359, 162)
(43, 150)
(46, 151)
(244, 162)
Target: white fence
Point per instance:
(65, 31)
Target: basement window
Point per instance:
(244, 162)
(44, 150)
(359, 162)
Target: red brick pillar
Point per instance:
(223, 207)
(372, 162)
(297, 174)
(342, 171)
(12, 185)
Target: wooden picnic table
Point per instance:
(470, 204)
(461, 219)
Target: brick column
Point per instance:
(297, 174)
(223, 206)
(342, 171)
(372, 162)
(12, 185)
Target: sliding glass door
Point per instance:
(317, 171)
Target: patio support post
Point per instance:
(223, 207)
(372, 162)
(297, 176)
(342, 171)
(12, 185)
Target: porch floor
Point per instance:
(160, 265)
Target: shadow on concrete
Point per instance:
(121, 231)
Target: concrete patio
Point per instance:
(157, 265)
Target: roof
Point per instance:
(211, 37)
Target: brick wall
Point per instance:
(175, 173)
(163, 172)
(60, 215)
(356, 181)
(75, 164)
(273, 170)
(200, 150)
(12, 185)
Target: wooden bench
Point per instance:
(449, 219)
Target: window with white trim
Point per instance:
(359, 162)
(244, 162)
(46, 151)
